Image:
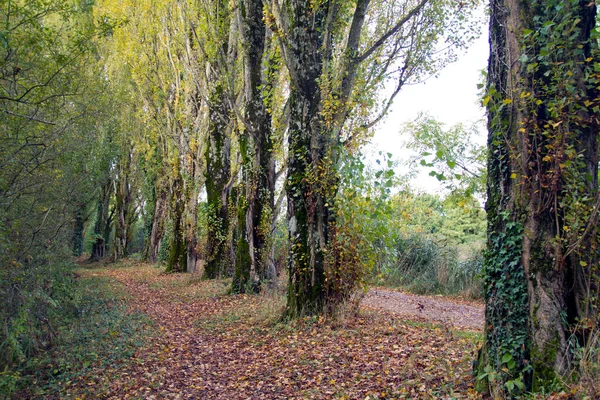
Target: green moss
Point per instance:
(542, 364)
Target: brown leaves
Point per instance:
(223, 347)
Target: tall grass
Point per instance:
(424, 266)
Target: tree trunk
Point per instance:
(310, 195)
(78, 228)
(124, 210)
(257, 199)
(103, 223)
(218, 174)
(177, 261)
(157, 228)
(542, 146)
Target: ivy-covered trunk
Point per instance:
(542, 186)
(124, 209)
(256, 202)
(177, 261)
(310, 197)
(102, 227)
(218, 175)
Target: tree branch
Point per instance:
(379, 42)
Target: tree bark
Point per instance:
(257, 199)
(218, 175)
(103, 222)
(177, 261)
(124, 209)
(541, 150)
(310, 195)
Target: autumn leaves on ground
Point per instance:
(191, 340)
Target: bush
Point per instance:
(89, 326)
(36, 294)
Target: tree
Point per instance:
(541, 287)
(452, 155)
(256, 202)
(338, 55)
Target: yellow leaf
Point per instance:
(513, 175)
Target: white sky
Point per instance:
(451, 97)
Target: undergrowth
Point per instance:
(100, 332)
(425, 266)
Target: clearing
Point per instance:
(204, 344)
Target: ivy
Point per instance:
(542, 189)
(506, 299)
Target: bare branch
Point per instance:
(30, 118)
(379, 42)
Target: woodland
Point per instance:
(187, 211)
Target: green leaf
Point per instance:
(519, 384)
(3, 40)
(506, 358)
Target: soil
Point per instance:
(454, 312)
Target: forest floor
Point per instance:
(204, 344)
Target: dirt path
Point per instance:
(435, 309)
(209, 345)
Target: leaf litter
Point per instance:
(210, 345)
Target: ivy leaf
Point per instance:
(510, 385)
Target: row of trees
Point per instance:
(194, 123)
(225, 101)
(200, 118)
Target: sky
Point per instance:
(451, 97)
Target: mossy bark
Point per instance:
(218, 175)
(257, 200)
(530, 277)
(309, 197)
(177, 261)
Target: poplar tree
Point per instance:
(541, 279)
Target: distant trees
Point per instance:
(541, 277)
